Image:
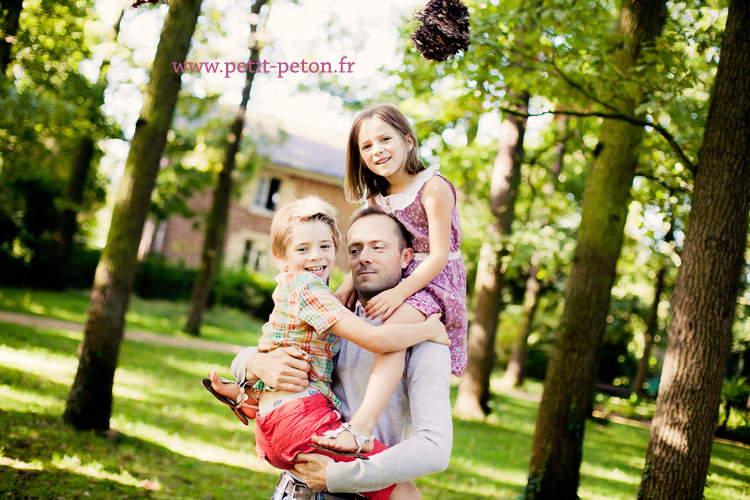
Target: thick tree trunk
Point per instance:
(516, 371)
(12, 10)
(89, 404)
(216, 221)
(79, 173)
(556, 454)
(473, 389)
(700, 333)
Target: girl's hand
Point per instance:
(346, 293)
(384, 303)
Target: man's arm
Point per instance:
(284, 368)
(424, 453)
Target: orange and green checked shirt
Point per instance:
(304, 310)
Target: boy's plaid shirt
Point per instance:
(304, 310)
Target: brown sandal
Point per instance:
(236, 406)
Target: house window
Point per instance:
(267, 194)
(252, 256)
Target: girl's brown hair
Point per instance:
(360, 182)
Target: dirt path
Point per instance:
(137, 336)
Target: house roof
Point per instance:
(299, 146)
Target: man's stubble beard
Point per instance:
(366, 291)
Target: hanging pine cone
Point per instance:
(444, 29)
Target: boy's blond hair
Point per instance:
(309, 208)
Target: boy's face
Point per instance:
(311, 249)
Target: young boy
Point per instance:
(307, 315)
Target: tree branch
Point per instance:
(663, 183)
(580, 88)
(615, 116)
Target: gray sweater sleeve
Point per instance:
(428, 449)
(240, 362)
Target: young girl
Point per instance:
(383, 166)
(304, 240)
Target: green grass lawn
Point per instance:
(219, 323)
(176, 441)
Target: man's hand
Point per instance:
(384, 303)
(285, 368)
(311, 468)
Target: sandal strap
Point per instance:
(359, 439)
(241, 396)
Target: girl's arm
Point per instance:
(389, 338)
(346, 293)
(437, 199)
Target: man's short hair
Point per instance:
(307, 209)
(404, 237)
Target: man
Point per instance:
(416, 424)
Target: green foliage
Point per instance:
(156, 278)
(633, 407)
(246, 291)
(48, 107)
(237, 288)
(735, 393)
(618, 361)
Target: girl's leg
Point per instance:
(386, 374)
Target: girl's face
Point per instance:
(311, 249)
(383, 149)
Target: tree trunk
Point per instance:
(72, 203)
(79, 173)
(473, 389)
(216, 221)
(705, 295)
(554, 171)
(554, 470)
(641, 372)
(12, 10)
(89, 404)
(516, 371)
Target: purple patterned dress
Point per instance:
(446, 293)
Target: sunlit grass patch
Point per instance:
(221, 324)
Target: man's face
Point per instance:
(374, 255)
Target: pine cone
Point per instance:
(444, 29)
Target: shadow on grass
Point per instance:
(31, 383)
(46, 459)
(53, 341)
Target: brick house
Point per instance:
(308, 161)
